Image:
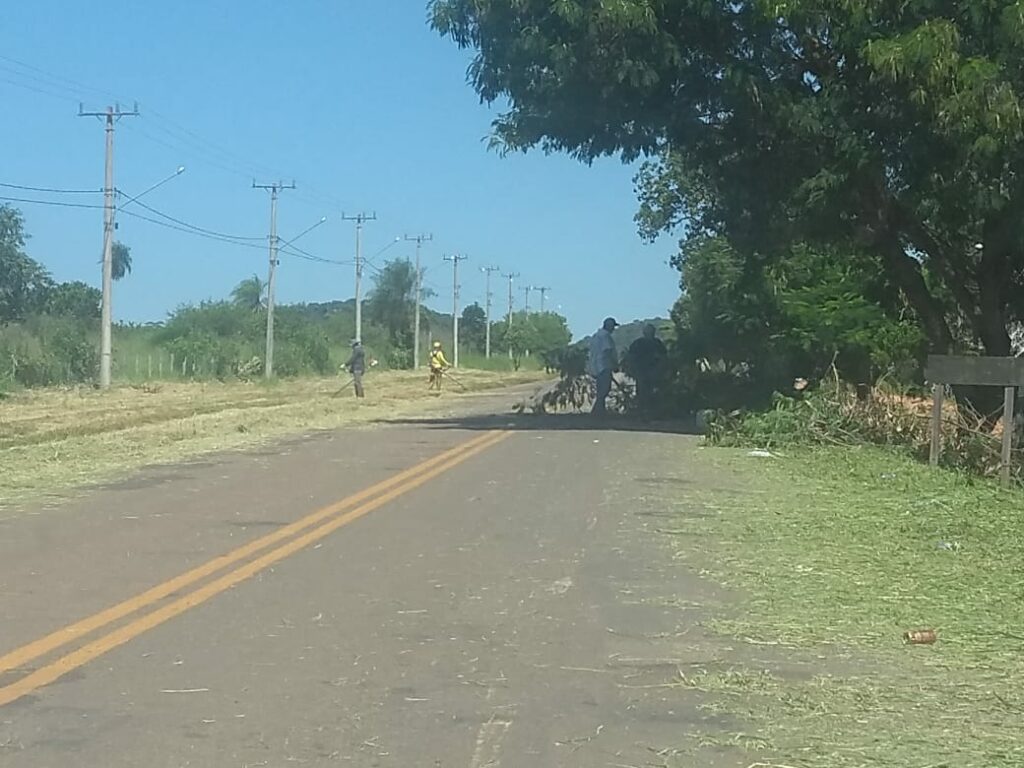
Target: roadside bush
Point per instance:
(835, 415)
(399, 359)
(46, 351)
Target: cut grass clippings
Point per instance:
(840, 551)
(52, 441)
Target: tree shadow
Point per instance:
(562, 422)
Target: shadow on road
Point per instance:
(582, 422)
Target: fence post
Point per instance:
(149, 366)
(936, 446)
(160, 364)
(184, 367)
(1008, 395)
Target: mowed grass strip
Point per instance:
(839, 551)
(55, 440)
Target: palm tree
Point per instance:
(121, 260)
(249, 293)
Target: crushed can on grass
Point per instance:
(920, 636)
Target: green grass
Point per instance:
(499, 361)
(839, 552)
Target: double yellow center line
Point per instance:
(281, 543)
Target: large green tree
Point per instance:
(75, 300)
(473, 327)
(888, 127)
(24, 282)
(392, 300)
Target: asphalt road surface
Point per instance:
(467, 592)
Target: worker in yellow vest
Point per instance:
(438, 365)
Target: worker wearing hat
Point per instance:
(438, 364)
(602, 362)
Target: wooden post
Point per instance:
(936, 446)
(1008, 395)
(149, 366)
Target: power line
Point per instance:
(199, 229)
(57, 80)
(210, 152)
(54, 203)
(52, 190)
(188, 230)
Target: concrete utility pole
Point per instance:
(526, 293)
(359, 219)
(511, 304)
(111, 116)
(419, 240)
(543, 296)
(511, 276)
(488, 296)
(275, 191)
(455, 259)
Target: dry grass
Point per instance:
(54, 440)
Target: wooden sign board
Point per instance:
(979, 371)
(1005, 372)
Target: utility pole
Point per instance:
(543, 296)
(488, 271)
(455, 259)
(419, 240)
(111, 116)
(359, 219)
(511, 281)
(511, 276)
(275, 191)
(526, 293)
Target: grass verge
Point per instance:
(54, 440)
(841, 550)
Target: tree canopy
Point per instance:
(857, 125)
(392, 299)
(473, 327)
(121, 260)
(249, 294)
(23, 281)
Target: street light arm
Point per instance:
(302, 234)
(176, 174)
(393, 243)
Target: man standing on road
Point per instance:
(356, 366)
(646, 357)
(602, 362)
(438, 364)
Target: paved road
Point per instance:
(463, 592)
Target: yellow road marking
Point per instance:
(55, 640)
(57, 669)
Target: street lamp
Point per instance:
(180, 170)
(392, 244)
(303, 233)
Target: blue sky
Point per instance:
(358, 101)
